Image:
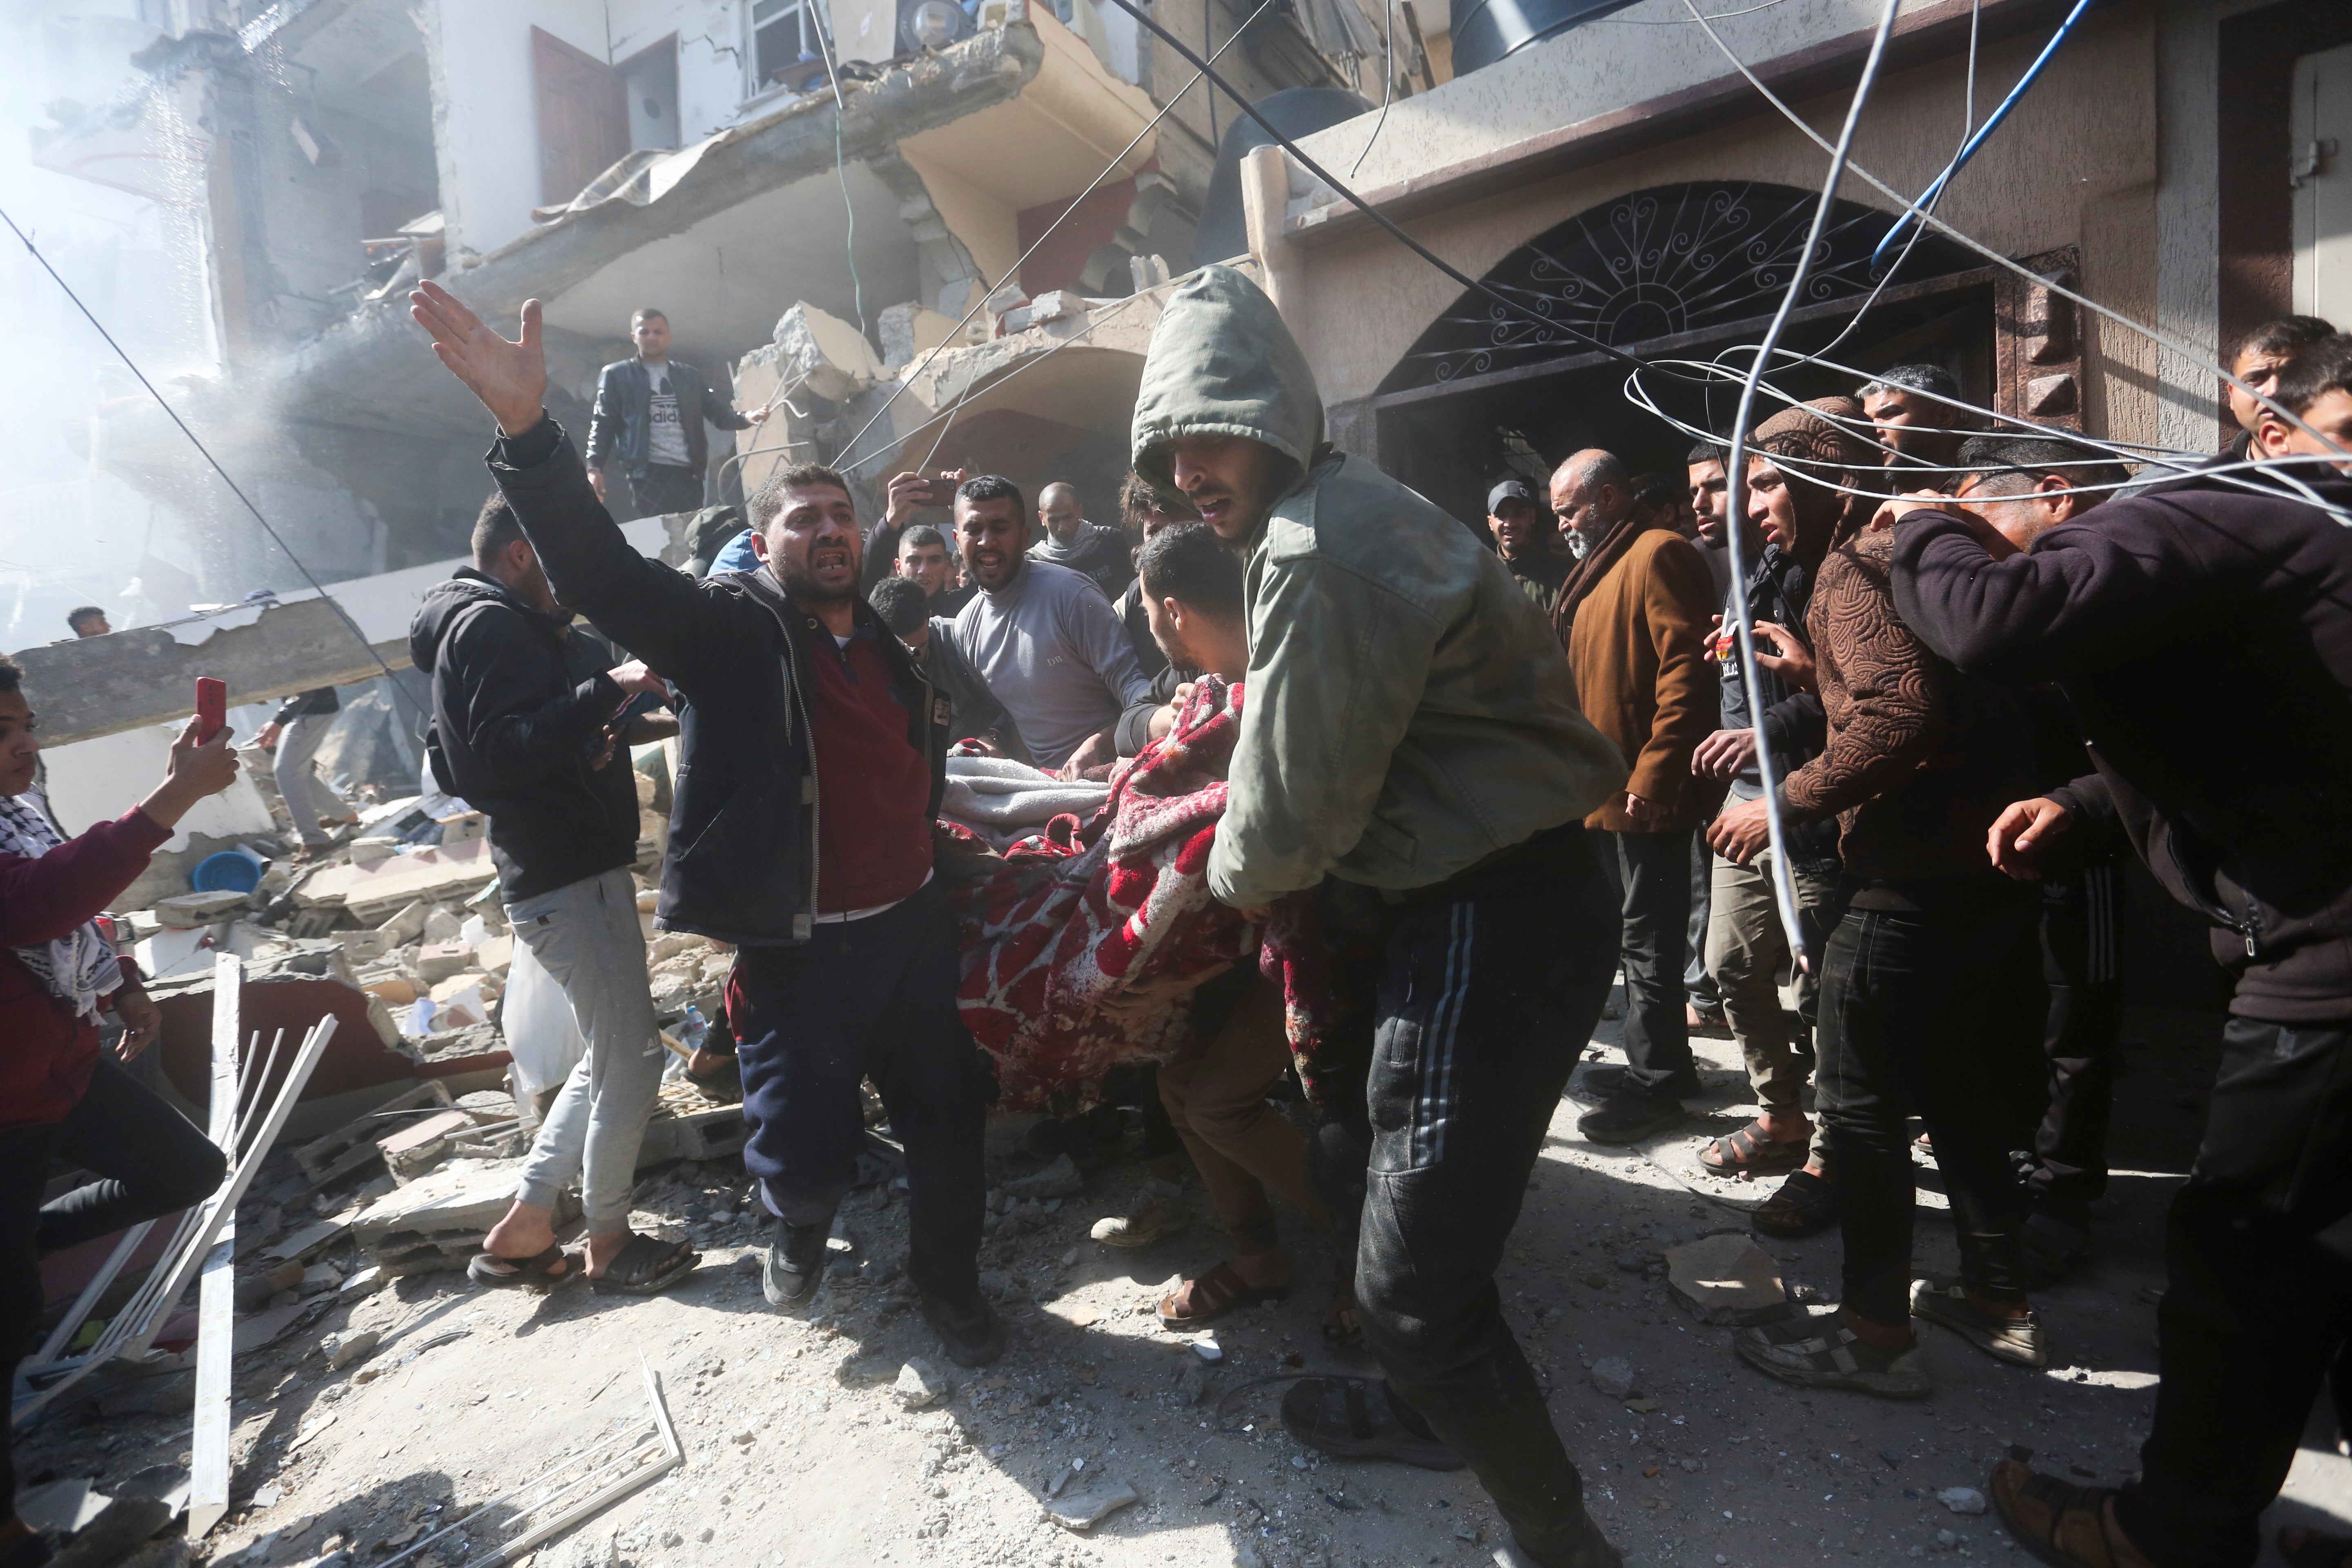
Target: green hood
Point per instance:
(1221, 363)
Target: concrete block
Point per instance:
(188, 910)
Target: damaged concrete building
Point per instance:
(702, 156)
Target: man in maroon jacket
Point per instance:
(60, 1096)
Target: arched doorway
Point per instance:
(1681, 271)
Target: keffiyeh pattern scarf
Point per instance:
(78, 967)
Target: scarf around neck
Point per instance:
(81, 966)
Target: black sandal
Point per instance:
(646, 1267)
(1806, 1203)
(1351, 1419)
(542, 1269)
(1750, 1151)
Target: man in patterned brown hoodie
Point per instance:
(1919, 760)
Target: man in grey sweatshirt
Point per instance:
(1043, 636)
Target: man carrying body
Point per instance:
(2201, 633)
(1635, 617)
(1144, 511)
(814, 758)
(523, 729)
(1410, 725)
(295, 730)
(1042, 636)
(974, 713)
(1102, 554)
(648, 419)
(1906, 408)
(1526, 537)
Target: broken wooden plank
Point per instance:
(208, 1468)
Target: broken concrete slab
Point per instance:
(306, 1240)
(186, 911)
(439, 1220)
(1727, 1280)
(452, 873)
(1080, 1511)
(920, 1385)
(63, 1506)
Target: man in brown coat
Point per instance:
(1634, 616)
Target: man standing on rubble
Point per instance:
(1412, 726)
(524, 729)
(814, 761)
(648, 416)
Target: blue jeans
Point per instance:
(872, 999)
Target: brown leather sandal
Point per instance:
(1205, 1296)
(1751, 1150)
(2064, 1525)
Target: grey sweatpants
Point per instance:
(308, 797)
(586, 935)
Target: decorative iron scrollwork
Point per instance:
(1653, 264)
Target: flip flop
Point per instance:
(1749, 1150)
(1351, 1419)
(646, 1267)
(1206, 1297)
(540, 1270)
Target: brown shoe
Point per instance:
(2064, 1525)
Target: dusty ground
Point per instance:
(797, 1452)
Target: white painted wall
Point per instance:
(486, 112)
(711, 44)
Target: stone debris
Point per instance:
(1059, 1180)
(1727, 1280)
(1614, 1376)
(1963, 1499)
(920, 1385)
(1082, 1510)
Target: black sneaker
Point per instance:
(795, 1263)
(1608, 1082)
(1631, 1115)
(969, 1330)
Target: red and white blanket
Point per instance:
(1073, 917)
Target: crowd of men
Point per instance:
(1544, 760)
(1886, 863)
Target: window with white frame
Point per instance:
(784, 36)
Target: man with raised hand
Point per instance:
(814, 761)
(1410, 726)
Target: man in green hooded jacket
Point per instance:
(1408, 724)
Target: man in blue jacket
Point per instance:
(814, 759)
(648, 419)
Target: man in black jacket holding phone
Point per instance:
(796, 694)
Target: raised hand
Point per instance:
(511, 378)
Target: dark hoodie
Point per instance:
(518, 713)
(2203, 633)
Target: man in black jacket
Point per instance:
(2202, 632)
(796, 695)
(524, 729)
(648, 417)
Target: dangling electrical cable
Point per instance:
(133, 366)
(1735, 471)
(841, 162)
(1388, 86)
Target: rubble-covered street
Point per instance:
(383, 1409)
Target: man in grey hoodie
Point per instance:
(1409, 725)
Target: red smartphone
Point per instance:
(212, 707)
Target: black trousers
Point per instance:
(1653, 875)
(150, 1162)
(872, 999)
(1912, 1004)
(1487, 995)
(2258, 1249)
(666, 488)
(2082, 933)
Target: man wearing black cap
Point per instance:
(1527, 536)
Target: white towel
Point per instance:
(1004, 801)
